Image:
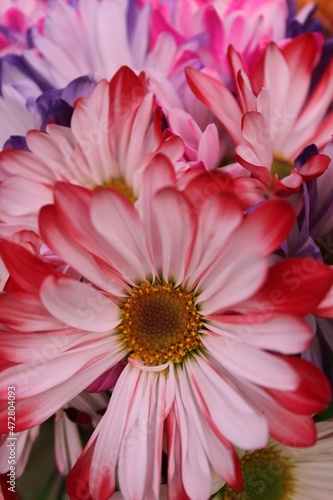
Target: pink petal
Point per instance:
(300, 68)
(297, 430)
(218, 99)
(209, 146)
(138, 396)
(27, 272)
(224, 215)
(258, 234)
(225, 409)
(229, 282)
(170, 233)
(175, 484)
(80, 259)
(142, 463)
(24, 312)
(21, 197)
(257, 366)
(79, 305)
(282, 333)
(27, 165)
(195, 470)
(47, 383)
(293, 286)
(256, 131)
(313, 394)
(122, 232)
(139, 140)
(272, 73)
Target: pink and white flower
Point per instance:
(300, 474)
(112, 138)
(224, 369)
(274, 117)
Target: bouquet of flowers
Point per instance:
(166, 249)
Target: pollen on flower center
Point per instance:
(160, 323)
(120, 185)
(267, 474)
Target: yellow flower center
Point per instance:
(281, 167)
(160, 323)
(267, 475)
(120, 185)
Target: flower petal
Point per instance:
(79, 305)
(244, 361)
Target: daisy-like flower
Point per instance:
(272, 123)
(207, 326)
(112, 137)
(282, 473)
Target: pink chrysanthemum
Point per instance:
(275, 115)
(112, 137)
(207, 326)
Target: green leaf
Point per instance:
(325, 415)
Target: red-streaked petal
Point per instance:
(224, 215)
(73, 253)
(117, 222)
(297, 430)
(23, 312)
(315, 166)
(27, 272)
(46, 383)
(170, 233)
(225, 409)
(258, 231)
(312, 396)
(218, 99)
(293, 286)
(143, 464)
